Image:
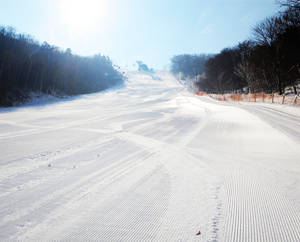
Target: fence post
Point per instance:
(263, 100)
(295, 99)
(273, 97)
(283, 96)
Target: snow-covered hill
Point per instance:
(148, 161)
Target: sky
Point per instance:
(152, 31)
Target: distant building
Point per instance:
(142, 66)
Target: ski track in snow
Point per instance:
(149, 161)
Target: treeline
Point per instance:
(269, 61)
(28, 66)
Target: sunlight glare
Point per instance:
(83, 12)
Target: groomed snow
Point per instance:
(148, 161)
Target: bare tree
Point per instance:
(244, 70)
(265, 36)
(290, 4)
(265, 32)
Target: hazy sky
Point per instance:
(152, 31)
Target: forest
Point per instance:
(269, 61)
(27, 66)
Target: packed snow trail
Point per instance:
(147, 161)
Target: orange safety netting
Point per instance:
(253, 97)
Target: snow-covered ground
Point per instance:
(148, 161)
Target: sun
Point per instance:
(82, 13)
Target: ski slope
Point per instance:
(148, 161)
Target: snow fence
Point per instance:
(255, 97)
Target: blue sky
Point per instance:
(152, 31)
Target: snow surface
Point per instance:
(148, 161)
